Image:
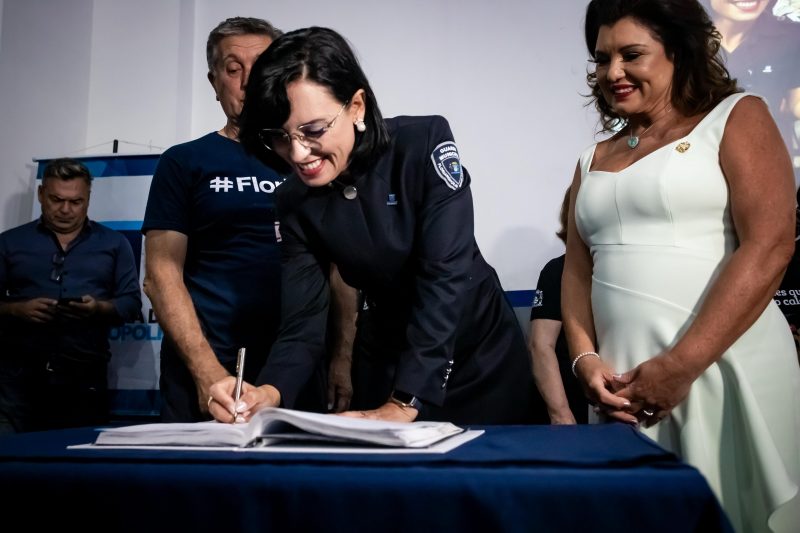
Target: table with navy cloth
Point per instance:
(511, 478)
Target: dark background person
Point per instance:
(547, 343)
(64, 282)
(682, 225)
(788, 294)
(212, 263)
(389, 203)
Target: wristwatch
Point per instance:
(404, 399)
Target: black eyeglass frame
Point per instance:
(306, 139)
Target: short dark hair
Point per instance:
(66, 169)
(700, 80)
(320, 55)
(236, 26)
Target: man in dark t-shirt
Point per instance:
(212, 264)
(220, 202)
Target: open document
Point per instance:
(271, 426)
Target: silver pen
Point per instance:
(239, 378)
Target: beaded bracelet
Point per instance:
(581, 356)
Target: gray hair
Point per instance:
(236, 26)
(66, 169)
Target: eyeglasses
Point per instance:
(278, 140)
(58, 267)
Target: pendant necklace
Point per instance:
(633, 140)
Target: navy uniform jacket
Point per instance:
(407, 242)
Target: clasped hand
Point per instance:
(645, 394)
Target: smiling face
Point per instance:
(739, 10)
(65, 204)
(633, 71)
(320, 161)
(236, 55)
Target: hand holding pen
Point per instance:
(234, 401)
(220, 393)
(237, 393)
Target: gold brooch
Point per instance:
(682, 147)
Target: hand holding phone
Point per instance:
(67, 309)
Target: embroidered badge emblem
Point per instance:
(682, 147)
(447, 163)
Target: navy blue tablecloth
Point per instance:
(512, 478)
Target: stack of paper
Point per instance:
(272, 425)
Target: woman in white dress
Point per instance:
(682, 227)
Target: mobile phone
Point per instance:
(66, 301)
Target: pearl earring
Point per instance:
(360, 126)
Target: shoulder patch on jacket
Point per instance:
(447, 163)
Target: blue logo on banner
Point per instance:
(447, 163)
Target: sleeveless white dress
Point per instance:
(659, 233)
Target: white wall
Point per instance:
(136, 75)
(44, 92)
(508, 74)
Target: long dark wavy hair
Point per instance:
(316, 54)
(690, 40)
